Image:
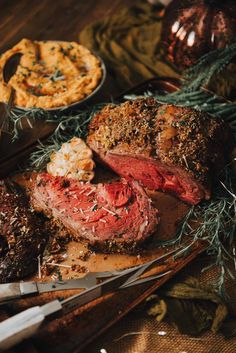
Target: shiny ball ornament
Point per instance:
(191, 28)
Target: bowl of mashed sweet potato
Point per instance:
(52, 74)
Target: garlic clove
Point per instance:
(85, 164)
(74, 160)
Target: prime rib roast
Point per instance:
(23, 234)
(113, 216)
(161, 147)
(164, 147)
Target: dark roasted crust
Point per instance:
(174, 135)
(116, 247)
(23, 234)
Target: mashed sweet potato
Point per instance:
(50, 74)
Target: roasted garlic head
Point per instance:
(73, 160)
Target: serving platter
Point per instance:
(94, 318)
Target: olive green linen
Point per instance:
(129, 43)
(191, 306)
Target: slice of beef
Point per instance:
(23, 234)
(113, 215)
(165, 147)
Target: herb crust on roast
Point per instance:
(165, 147)
(23, 234)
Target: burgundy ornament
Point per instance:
(191, 28)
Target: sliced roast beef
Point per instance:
(23, 234)
(165, 147)
(114, 215)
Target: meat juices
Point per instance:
(164, 147)
(116, 215)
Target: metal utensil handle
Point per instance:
(25, 324)
(9, 291)
(20, 326)
(10, 102)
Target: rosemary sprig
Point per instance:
(208, 65)
(216, 224)
(19, 116)
(68, 127)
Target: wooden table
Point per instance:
(50, 19)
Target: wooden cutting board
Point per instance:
(72, 332)
(171, 212)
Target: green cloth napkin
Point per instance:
(129, 43)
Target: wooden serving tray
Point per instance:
(74, 331)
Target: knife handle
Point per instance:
(19, 327)
(25, 324)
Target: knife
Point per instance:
(11, 291)
(25, 324)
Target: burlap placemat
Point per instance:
(139, 333)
